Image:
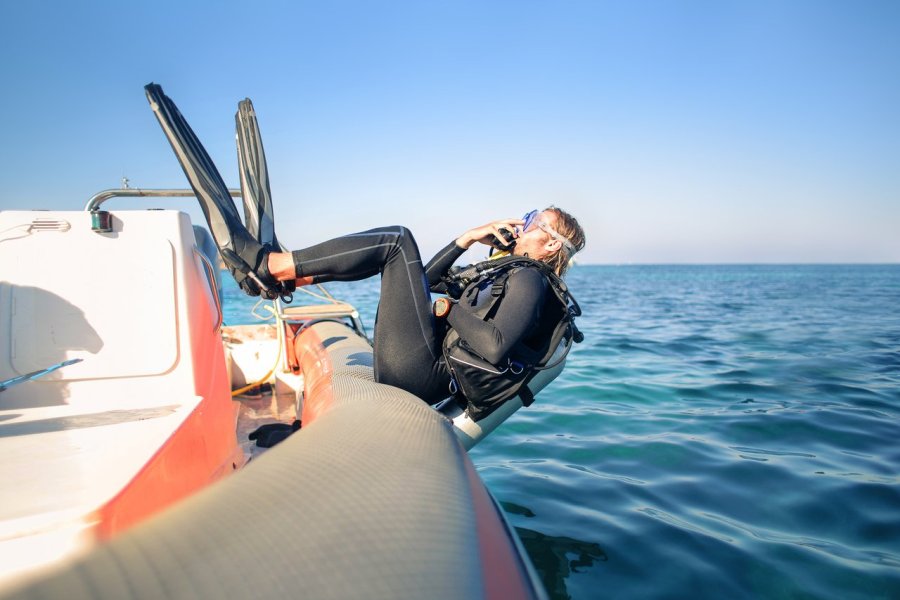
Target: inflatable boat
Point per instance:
(126, 468)
(126, 408)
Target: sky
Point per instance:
(676, 132)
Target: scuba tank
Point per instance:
(470, 431)
(480, 387)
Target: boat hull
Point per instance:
(374, 497)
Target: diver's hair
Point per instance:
(568, 227)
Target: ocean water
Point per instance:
(722, 432)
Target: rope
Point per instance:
(279, 328)
(279, 325)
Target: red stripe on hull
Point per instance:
(503, 571)
(202, 450)
(315, 364)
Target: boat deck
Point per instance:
(62, 464)
(252, 350)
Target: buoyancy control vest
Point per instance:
(483, 386)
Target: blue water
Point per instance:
(723, 432)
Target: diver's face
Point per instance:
(536, 243)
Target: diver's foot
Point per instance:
(248, 261)
(259, 269)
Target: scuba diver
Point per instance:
(410, 331)
(500, 323)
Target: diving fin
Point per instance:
(243, 255)
(259, 214)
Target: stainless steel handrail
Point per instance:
(101, 197)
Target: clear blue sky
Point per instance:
(697, 131)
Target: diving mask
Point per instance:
(535, 218)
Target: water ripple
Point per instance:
(682, 524)
(834, 549)
(771, 452)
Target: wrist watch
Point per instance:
(441, 307)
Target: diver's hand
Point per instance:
(489, 232)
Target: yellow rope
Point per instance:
(280, 331)
(279, 323)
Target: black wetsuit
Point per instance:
(407, 336)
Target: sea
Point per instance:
(724, 431)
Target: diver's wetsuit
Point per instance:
(407, 336)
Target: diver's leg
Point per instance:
(407, 348)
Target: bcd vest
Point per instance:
(483, 386)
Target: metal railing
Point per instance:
(101, 197)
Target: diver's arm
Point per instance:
(440, 264)
(443, 260)
(489, 233)
(518, 311)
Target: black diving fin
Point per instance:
(244, 256)
(259, 213)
